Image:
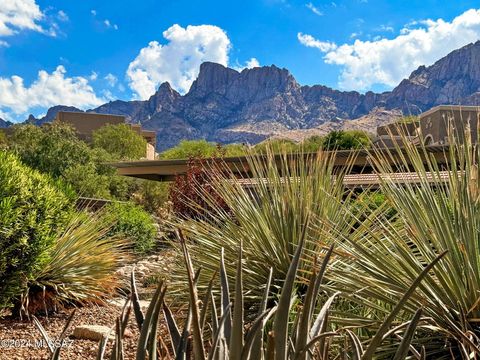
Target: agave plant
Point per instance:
(266, 215)
(441, 211)
(80, 266)
(307, 338)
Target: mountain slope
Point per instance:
(229, 106)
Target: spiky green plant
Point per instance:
(80, 268)
(440, 212)
(309, 336)
(266, 215)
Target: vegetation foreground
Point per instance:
(294, 267)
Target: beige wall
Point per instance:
(435, 123)
(86, 123)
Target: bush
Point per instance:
(152, 195)
(312, 144)
(269, 218)
(346, 140)
(202, 149)
(32, 212)
(135, 224)
(80, 267)
(189, 149)
(120, 141)
(192, 195)
(276, 145)
(50, 149)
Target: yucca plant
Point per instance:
(265, 214)
(80, 267)
(308, 337)
(440, 212)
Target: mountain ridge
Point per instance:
(227, 105)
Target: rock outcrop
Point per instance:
(5, 123)
(229, 106)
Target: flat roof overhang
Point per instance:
(360, 162)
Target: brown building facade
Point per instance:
(86, 123)
(432, 127)
(435, 123)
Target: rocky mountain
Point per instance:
(50, 115)
(225, 105)
(5, 123)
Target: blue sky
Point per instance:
(84, 53)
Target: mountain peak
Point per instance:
(163, 98)
(226, 105)
(212, 77)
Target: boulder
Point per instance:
(92, 332)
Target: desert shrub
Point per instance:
(234, 150)
(371, 201)
(276, 146)
(80, 266)
(32, 212)
(152, 195)
(87, 182)
(346, 140)
(133, 223)
(120, 141)
(50, 149)
(268, 217)
(312, 144)
(201, 148)
(190, 148)
(436, 214)
(56, 150)
(3, 140)
(192, 195)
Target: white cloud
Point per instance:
(388, 61)
(93, 12)
(62, 16)
(47, 90)
(252, 63)
(178, 60)
(111, 79)
(310, 41)
(3, 43)
(93, 76)
(110, 25)
(314, 9)
(386, 28)
(18, 15)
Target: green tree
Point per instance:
(202, 149)
(276, 145)
(120, 141)
(51, 149)
(313, 143)
(234, 150)
(190, 149)
(346, 140)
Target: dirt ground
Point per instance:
(22, 340)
